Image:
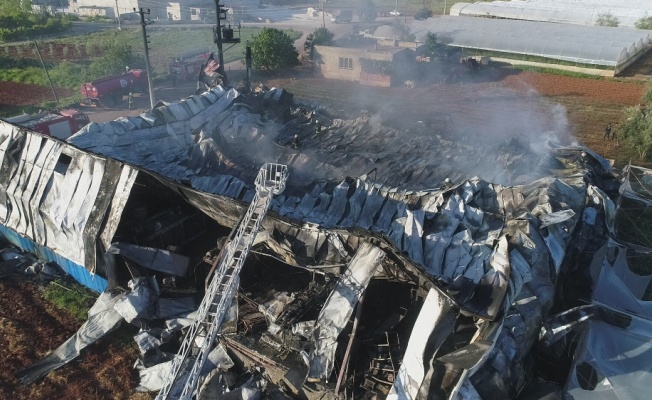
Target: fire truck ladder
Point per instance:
(201, 334)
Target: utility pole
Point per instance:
(323, 14)
(117, 11)
(222, 35)
(445, 6)
(149, 72)
(46, 73)
(248, 66)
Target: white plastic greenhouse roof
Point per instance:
(594, 45)
(584, 12)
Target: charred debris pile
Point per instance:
(389, 268)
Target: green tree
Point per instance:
(607, 19)
(368, 11)
(644, 23)
(636, 131)
(320, 37)
(114, 61)
(15, 7)
(636, 126)
(273, 50)
(432, 44)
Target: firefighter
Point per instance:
(317, 127)
(130, 100)
(174, 78)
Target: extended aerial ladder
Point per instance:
(186, 367)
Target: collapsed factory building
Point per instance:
(381, 270)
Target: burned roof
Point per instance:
(225, 132)
(489, 246)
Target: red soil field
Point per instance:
(23, 94)
(610, 91)
(30, 328)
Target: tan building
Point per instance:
(376, 66)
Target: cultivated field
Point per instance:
(30, 327)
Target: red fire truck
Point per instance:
(109, 91)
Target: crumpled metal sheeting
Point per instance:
(620, 359)
(121, 195)
(637, 283)
(339, 306)
(434, 317)
(102, 319)
(530, 259)
(612, 292)
(637, 183)
(54, 194)
(161, 148)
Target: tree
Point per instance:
(368, 11)
(423, 13)
(607, 19)
(15, 7)
(636, 131)
(432, 45)
(114, 61)
(636, 127)
(644, 23)
(273, 50)
(320, 37)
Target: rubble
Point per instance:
(383, 270)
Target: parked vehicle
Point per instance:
(342, 17)
(59, 124)
(110, 90)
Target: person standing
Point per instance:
(607, 132)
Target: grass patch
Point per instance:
(166, 43)
(70, 297)
(554, 71)
(169, 42)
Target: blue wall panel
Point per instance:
(81, 274)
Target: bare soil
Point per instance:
(15, 95)
(30, 328)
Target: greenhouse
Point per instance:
(593, 48)
(584, 12)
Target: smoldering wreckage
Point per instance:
(264, 254)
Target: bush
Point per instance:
(98, 18)
(273, 50)
(636, 127)
(27, 25)
(71, 17)
(423, 13)
(607, 19)
(644, 23)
